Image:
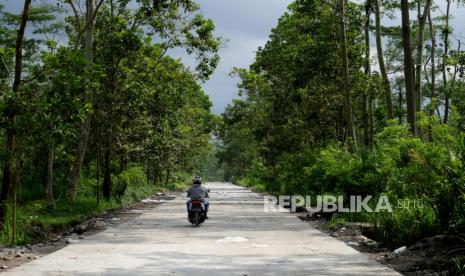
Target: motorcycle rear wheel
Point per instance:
(197, 220)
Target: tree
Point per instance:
(75, 173)
(148, 111)
(348, 119)
(6, 181)
(285, 134)
(432, 85)
(445, 34)
(408, 67)
(292, 98)
(367, 105)
(59, 104)
(421, 17)
(119, 37)
(116, 35)
(382, 66)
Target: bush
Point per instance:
(338, 171)
(430, 169)
(290, 176)
(255, 178)
(403, 225)
(179, 181)
(132, 186)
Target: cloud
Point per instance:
(246, 25)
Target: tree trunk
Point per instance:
(73, 179)
(408, 68)
(382, 64)
(400, 105)
(6, 181)
(50, 162)
(12, 114)
(160, 178)
(444, 67)
(16, 182)
(148, 172)
(168, 175)
(453, 81)
(419, 60)
(98, 174)
(366, 95)
(123, 162)
(348, 119)
(107, 171)
(433, 100)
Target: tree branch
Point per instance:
(76, 13)
(81, 31)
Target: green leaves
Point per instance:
(291, 95)
(145, 108)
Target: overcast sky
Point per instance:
(246, 25)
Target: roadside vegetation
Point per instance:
(95, 113)
(320, 113)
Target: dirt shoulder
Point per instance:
(15, 256)
(431, 256)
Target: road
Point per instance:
(239, 239)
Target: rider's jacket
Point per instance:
(197, 191)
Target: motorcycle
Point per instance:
(196, 212)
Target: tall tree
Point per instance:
(408, 67)
(118, 40)
(421, 17)
(348, 116)
(367, 99)
(433, 100)
(6, 181)
(169, 20)
(382, 65)
(445, 54)
(85, 127)
(432, 84)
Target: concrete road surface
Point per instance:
(239, 239)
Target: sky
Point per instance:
(245, 25)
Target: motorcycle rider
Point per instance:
(197, 191)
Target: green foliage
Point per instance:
(132, 186)
(335, 222)
(403, 167)
(255, 178)
(458, 266)
(403, 225)
(150, 120)
(337, 170)
(286, 134)
(37, 220)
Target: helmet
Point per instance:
(197, 179)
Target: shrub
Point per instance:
(429, 168)
(338, 171)
(132, 186)
(403, 225)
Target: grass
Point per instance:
(335, 222)
(37, 220)
(255, 184)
